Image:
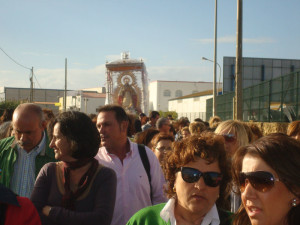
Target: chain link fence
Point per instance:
(276, 100)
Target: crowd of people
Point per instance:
(118, 168)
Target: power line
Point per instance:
(21, 66)
(37, 80)
(14, 60)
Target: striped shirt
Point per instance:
(23, 178)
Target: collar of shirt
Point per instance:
(40, 148)
(128, 154)
(167, 214)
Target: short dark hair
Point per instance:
(120, 113)
(153, 114)
(78, 128)
(142, 114)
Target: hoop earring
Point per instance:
(294, 202)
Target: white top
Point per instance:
(133, 189)
(167, 213)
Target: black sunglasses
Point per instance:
(261, 181)
(191, 175)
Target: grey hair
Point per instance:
(160, 122)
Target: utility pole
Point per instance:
(215, 63)
(31, 86)
(238, 103)
(65, 92)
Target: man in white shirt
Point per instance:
(122, 155)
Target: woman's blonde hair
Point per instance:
(235, 127)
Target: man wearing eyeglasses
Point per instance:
(134, 191)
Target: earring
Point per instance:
(174, 189)
(294, 202)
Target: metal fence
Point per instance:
(276, 100)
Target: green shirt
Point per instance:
(9, 154)
(151, 216)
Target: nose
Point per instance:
(249, 191)
(51, 145)
(23, 137)
(100, 129)
(200, 184)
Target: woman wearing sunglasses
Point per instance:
(267, 173)
(234, 133)
(198, 182)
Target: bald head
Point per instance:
(26, 110)
(28, 124)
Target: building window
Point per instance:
(262, 73)
(167, 93)
(292, 68)
(232, 77)
(178, 93)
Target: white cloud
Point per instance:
(232, 39)
(180, 73)
(76, 78)
(95, 77)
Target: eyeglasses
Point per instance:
(191, 175)
(262, 181)
(229, 137)
(164, 149)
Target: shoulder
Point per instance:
(148, 215)
(6, 142)
(106, 171)
(105, 175)
(48, 168)
(226, 217)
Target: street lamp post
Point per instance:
(204, 58)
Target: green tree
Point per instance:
(165, 114)
(8, 105)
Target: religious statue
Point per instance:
(127, 96)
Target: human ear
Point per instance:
(124, 126)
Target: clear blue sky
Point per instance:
(170, 35)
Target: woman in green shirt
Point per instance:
(198, 175)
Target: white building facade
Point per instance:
(191, 106)
(160, 92)
(83, 101)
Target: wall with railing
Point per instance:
(276, 100)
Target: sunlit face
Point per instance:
(110, 130)
(61, 145)
(161, 148)
(185, 134)
(196, 198)
(265, 208)
(232, 145)
(28, 130)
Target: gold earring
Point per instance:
(174, 189)
(294, 202)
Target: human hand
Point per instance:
(46, 210)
